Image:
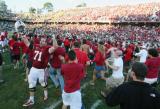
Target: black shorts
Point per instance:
(29, 64)
(16, 57)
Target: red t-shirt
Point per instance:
(73, 73)
(40, 56)
(81, 56)
(55, 61)
(153, 65)
(99, 59)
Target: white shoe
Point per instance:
(28, 103)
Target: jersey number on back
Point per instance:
(38, 55)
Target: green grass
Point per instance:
(14, 92)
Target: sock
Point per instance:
(31, 98)
(45, 93)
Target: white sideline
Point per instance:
(54, 105)
(96, 104)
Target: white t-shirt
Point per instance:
(118, 62)
(143, 55)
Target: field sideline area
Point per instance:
(14, 91)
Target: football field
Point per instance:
(14, 92)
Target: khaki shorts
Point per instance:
(114, 82)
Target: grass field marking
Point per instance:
(96, 104)
(54, 105)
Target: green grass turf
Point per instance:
(14, 92)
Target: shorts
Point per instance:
(114, 82)
(34, 75)
(150, 80)
(73, 99)
(16, 57)
(99, 68)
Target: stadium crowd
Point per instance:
(141, 12)
(104, 32)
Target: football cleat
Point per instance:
(28, 103)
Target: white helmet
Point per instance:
(19, 26)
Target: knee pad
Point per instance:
(32, 89)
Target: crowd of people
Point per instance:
(63, 50)
(141, 12)
(7, 15)
(5, 25)
(128, 53)
(106, 32)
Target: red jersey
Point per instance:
(81, 56)
(153, 65)
(55, 61)
(40, 56)
(73, 73)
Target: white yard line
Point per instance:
(56, 104)
(96, 104)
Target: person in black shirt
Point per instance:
(135, 94)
